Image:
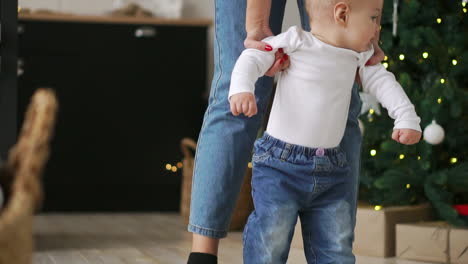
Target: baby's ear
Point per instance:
(341, 12)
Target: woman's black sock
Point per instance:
(202, 258)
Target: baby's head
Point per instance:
(355, 22)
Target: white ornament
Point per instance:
(434, 134)
(369, 102)
(361, 126)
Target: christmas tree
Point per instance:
(426, 43)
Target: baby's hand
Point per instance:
(243, 103)
(406, 136)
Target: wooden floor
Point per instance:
(134, 239)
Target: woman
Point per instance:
(225, 142)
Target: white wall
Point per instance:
(192, 9)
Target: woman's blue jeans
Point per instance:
(226, 141)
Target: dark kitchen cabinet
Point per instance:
(128, 93)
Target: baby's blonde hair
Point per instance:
(321, 9)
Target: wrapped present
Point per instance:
(432, 241)
(375, 227)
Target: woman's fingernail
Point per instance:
(281, 50)
(268, 48)
(367, 63)
(281, 61)
(285, 57)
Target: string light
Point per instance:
(377, 207)
(249, 165)
(385, 58)
(425, 55)
(179, 165)
(174, 168)
(402, 57)
(442, 81)
(402, 156)
(408, 186)
(463, 3)
(439, 100)
(371, 111)
(385, 65)
(168, 166)
(439, 20)
(373, 152)
(453, 160)
(464, 10)
(454, 62)
(419, 157)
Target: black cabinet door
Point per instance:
(124, 107)
(8, 71)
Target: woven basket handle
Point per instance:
(188, 144)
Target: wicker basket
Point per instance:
(244, 205)
(20, 177)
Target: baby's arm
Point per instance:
(253, 64)
(383, 85)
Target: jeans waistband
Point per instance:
(269, 141)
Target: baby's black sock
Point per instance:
(202, 258)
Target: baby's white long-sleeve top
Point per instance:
(313, 95)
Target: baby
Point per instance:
(299, 169)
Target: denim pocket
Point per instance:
(260, 156)
(261, 152)
(339, 159)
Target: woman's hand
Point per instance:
(378, 56)
(254, 37)
(253, 41)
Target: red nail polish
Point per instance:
(281, 61)
(285, 57)
(367, 63)
(268, 48)
(280, 50)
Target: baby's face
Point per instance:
(363, 25)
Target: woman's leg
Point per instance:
(225, 141)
